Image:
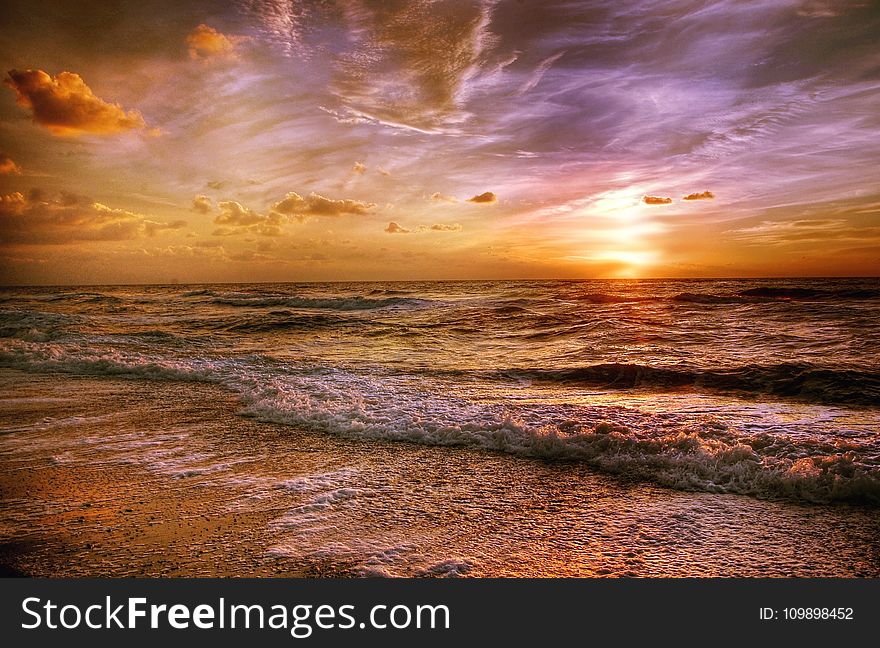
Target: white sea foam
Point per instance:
(692, 454)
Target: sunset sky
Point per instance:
(283, 140)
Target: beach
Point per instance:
(110, 476)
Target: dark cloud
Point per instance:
(394, 228)
(486, 198)
(34, 219)
(704, 195)
(215, 184)
(67, 106)
(656, 200)
(8, 165)
(296, 206)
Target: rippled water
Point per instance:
(766, 388)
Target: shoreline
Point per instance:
(122, 520)
(113, 476)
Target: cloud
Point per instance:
(151, 228)
(296, 206)
(234, 218)
(656, 200)
(445, 227)
(35, 219)
(206, 43)
(197, 251)
(410, 65)
(359, 167)
(705, 195)
(215, 184)
(439, 197)
(486, 198)
(67, 106)
(8, 165)
(820, 231)
(384, 172)
(202, 204)
(394, 228)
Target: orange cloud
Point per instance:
(206, 43)
(656, 200)
(67, 106)
(359, 167)
(234, 218)
(486, 198)
(8, 165)
(298, 207)
(202, 204)
(394, 228)
(705, 195)
(34, 219)
(445, 227)
(439, 197)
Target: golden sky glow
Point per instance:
(269, 140)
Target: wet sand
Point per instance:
(116, 519)
(124, 477)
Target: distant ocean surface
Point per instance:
(766, 388)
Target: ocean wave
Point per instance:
(34, 326)
(279, 321)
(326, 303)
(83, 298)
(60, 358)
(749, 296)
(804, 382)
(678, 453)
(705, 298)
(609, 298)
(690, 458)
(794, 294)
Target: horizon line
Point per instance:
(514, 280)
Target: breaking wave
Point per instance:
(703, 457)
(786, 380)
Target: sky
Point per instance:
(295, 140)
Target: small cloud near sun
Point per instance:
(67, 106)
(486, 198)
(656, 200)
(704, 195)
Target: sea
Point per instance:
(712, 399)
